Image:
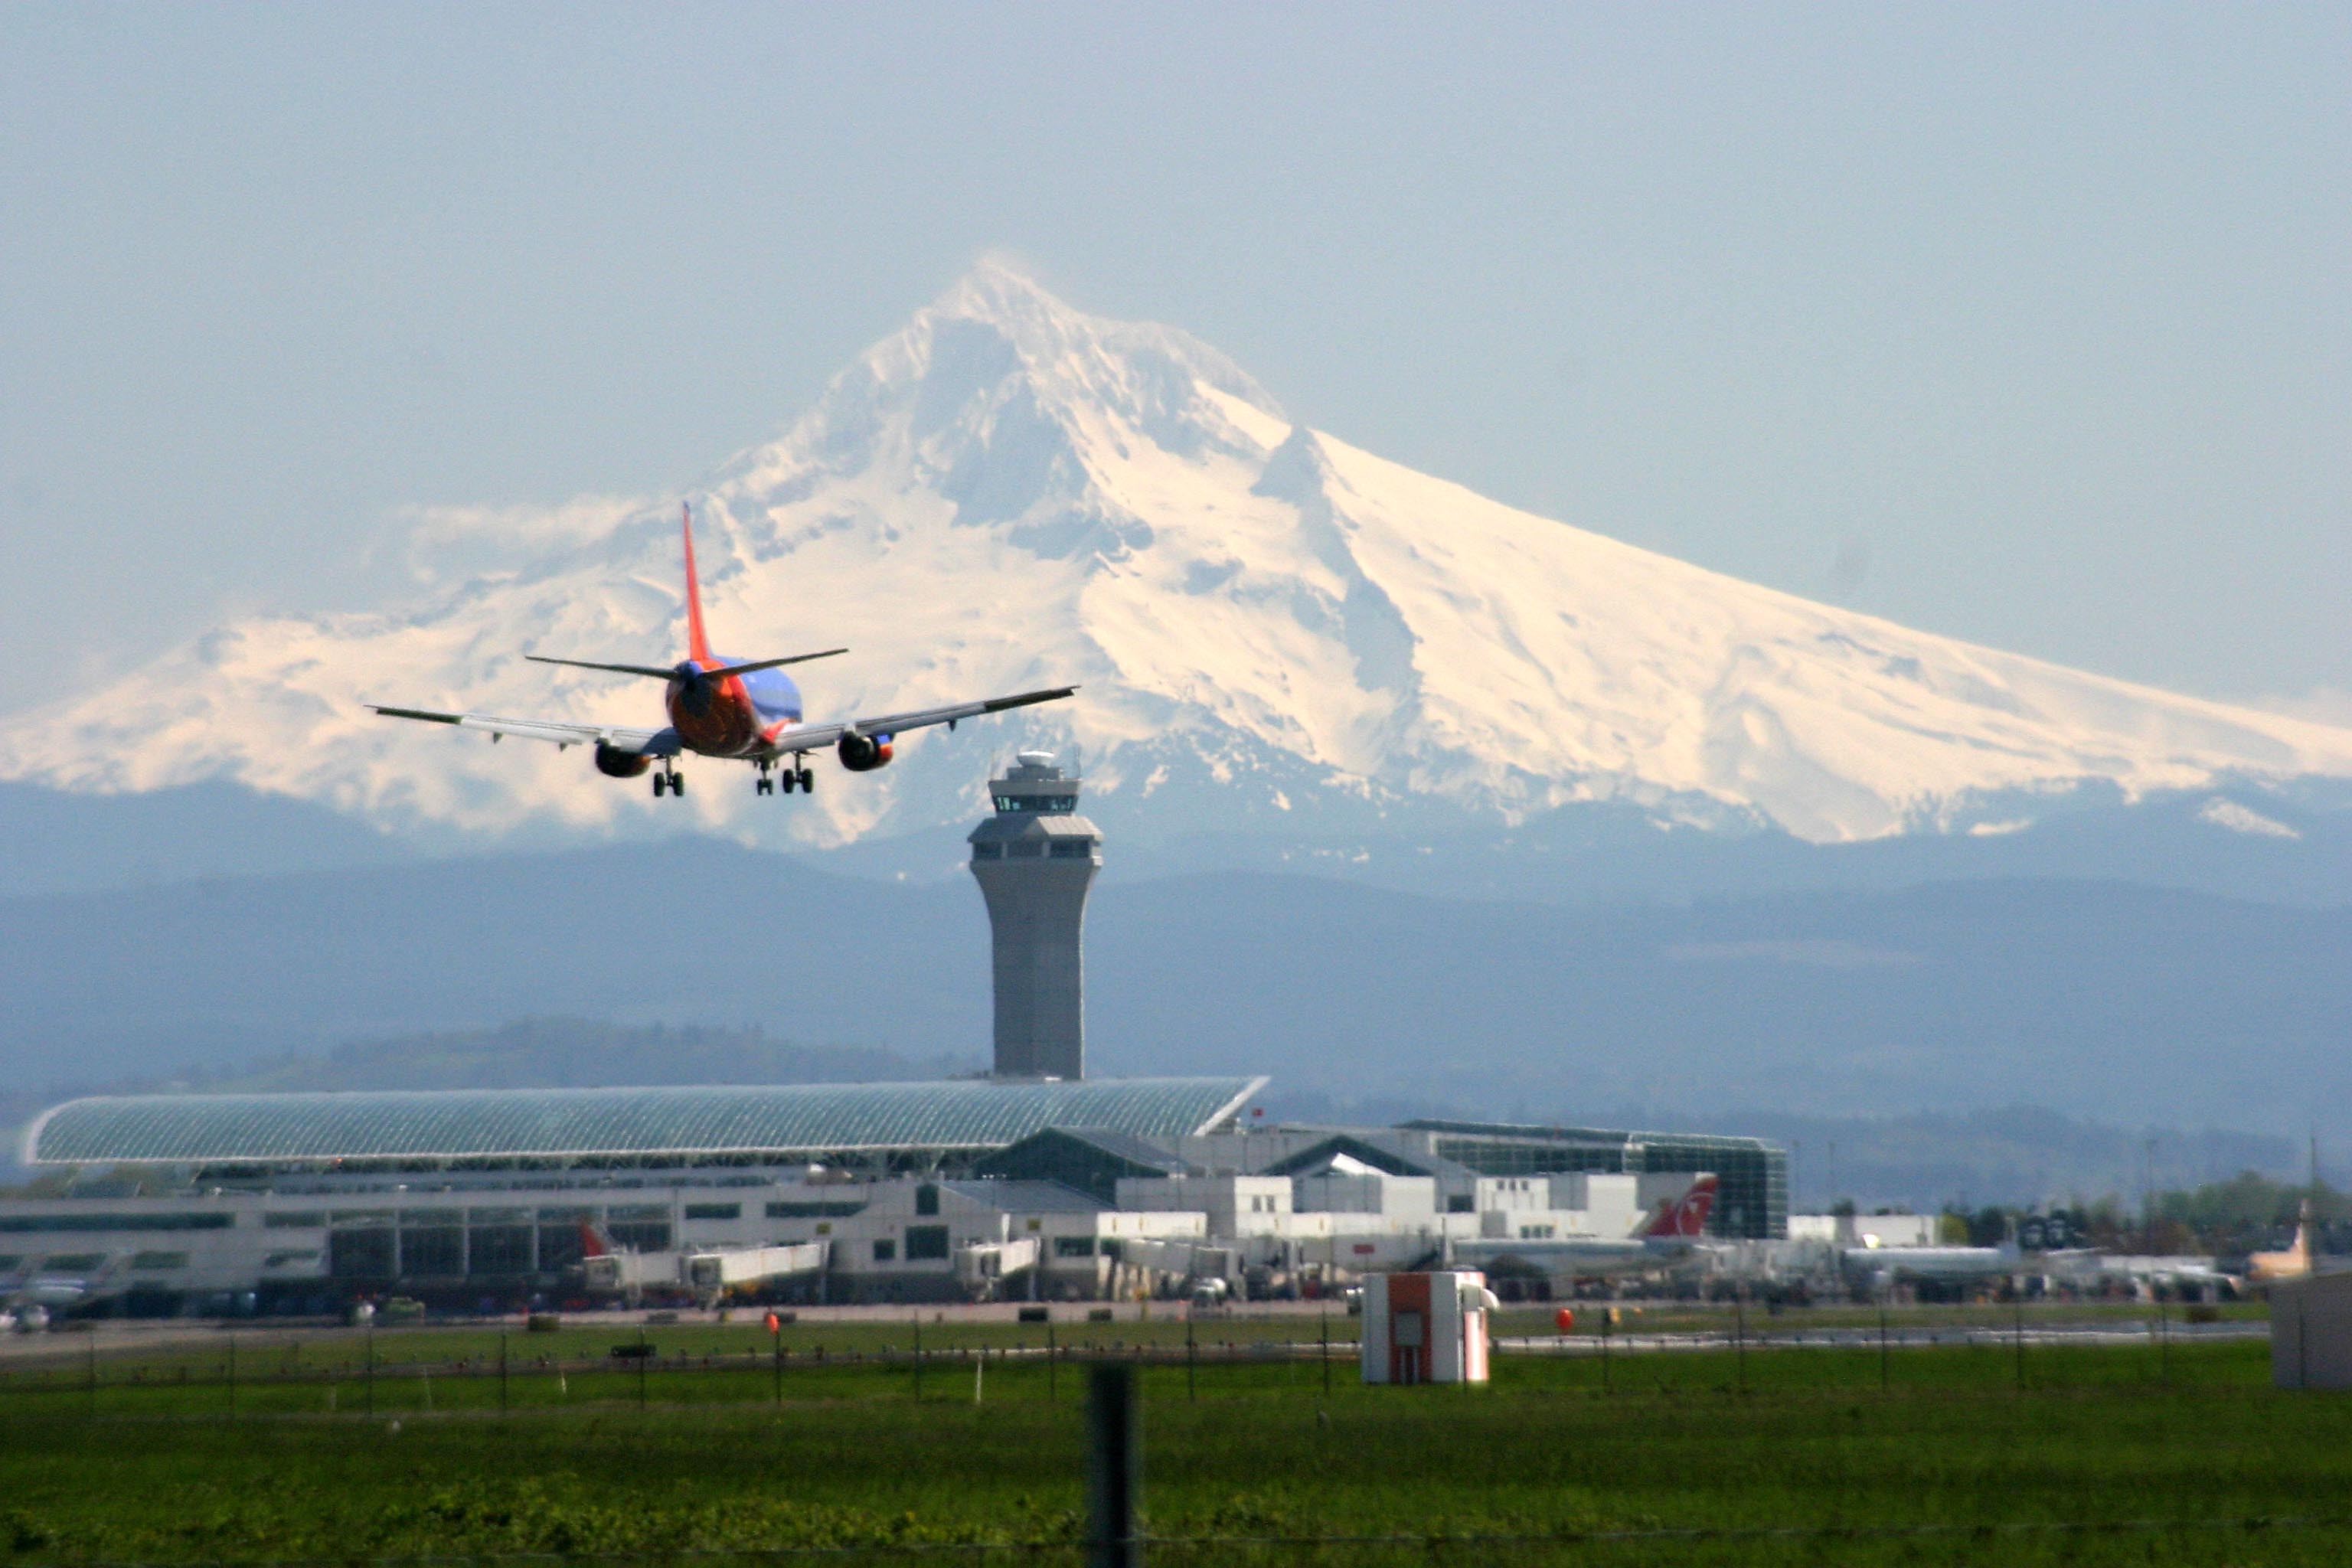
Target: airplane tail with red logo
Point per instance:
(1685, 1217)
(593, 1243)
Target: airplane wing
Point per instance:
(639, 742)
(816, 737)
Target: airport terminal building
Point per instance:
(1032, 1181)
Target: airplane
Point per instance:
(744, 710)
(36, 1297)
(1668, 1235)
(2292, 1264)
(1878, 1267)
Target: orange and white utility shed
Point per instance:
(1426, 1328)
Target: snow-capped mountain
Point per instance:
(1269, 626)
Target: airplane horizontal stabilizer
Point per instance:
(670, 672)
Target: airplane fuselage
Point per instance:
(739, 716)
(1584, 1257)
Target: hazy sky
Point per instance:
(2024, 324)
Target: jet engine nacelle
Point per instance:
(615, 763)
(864, 753)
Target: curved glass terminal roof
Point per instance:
(461, 1124)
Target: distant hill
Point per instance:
(54, 841)
(2286, 847)
(2005, 1154)
(2102, 1002)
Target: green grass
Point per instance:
(161, 1472)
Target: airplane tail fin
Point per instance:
(1684, 1216)
(593, 1242)
(698, 643)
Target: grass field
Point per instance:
(152, 1470)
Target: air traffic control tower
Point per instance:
(1036, 857)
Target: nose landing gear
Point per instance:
(668, 781)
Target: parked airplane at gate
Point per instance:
(1670, 1234)
(744, 710)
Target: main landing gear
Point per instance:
(794, 778)
(669, 781)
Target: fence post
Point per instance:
(918, 1357)
(502, 1372)
(1053, 1365)
(1882, 1345)
(2302, 1338)
(1606, 1314)
(1741, 1311)
(92, 1369)
(1192, 1361)
(2017, 1336)
(232, 1377)
(776, 1357)
(371, 1365)
(1327, 1348)
(1115, 1474)
(643, 1357)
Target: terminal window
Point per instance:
(159, 1260)
(640, 1234)
(561, 1246)
(437, 1251)
(927, 1243)
(714, 1211)
(1073, 1246)
(792, 1208)
(167, 1220)
(498, 1249)
(885, 1250)
(360, 1254)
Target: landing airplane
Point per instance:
(721, 707)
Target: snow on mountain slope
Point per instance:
(1268, 624)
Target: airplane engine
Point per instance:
(864, 753)
(614, 764)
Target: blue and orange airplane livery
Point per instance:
(720, 707)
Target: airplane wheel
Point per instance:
(661, 782)
(677, 784)
(790, 778)
(808, 781)
(762, 786)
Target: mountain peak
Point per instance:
(997, 291)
